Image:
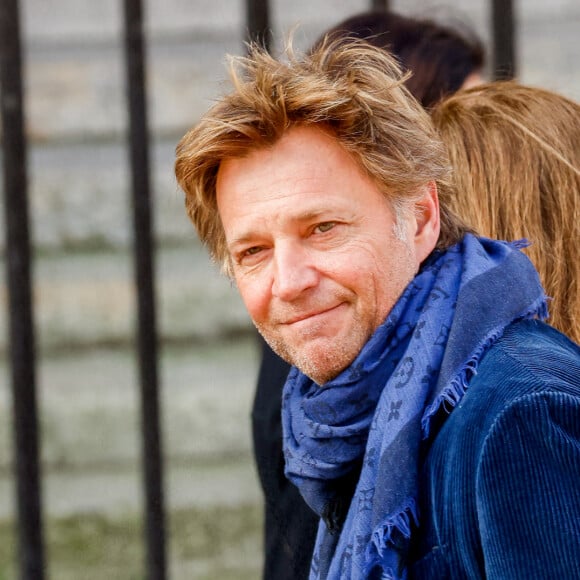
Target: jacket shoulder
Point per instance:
(530, 357)
(500, 475)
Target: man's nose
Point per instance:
(294, 271)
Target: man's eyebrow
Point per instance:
(311, 215)
(241, 240)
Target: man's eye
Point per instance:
(325, 227)
(251, 251)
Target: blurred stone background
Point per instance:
(84, 295)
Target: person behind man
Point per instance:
(516, 154)
(430, 418)
(442, 59)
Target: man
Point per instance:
(430, 419)
(443, 59)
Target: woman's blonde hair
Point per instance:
(352, 89)
(515, 152)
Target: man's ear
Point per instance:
(427, 224)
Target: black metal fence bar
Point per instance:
(503, 39)
(18, 274)
(380, 4)
(258, 22)
(156, 567)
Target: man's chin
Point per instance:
(321, 359)
(322, 365)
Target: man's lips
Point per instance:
(301, 317)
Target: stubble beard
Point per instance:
(316, 362)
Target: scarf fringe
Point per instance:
(382, 535)
(521, 244)
(454, 391)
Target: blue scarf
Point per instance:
(352, 445)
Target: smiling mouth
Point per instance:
(303, 317)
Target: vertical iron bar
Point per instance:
(18, 273)
(504, 54)
(258, 20)
(380, 5)
(146, 328)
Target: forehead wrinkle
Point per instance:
(284, 186)
(311, 190)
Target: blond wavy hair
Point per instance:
(354, 90)
(515, 151)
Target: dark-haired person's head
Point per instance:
(442, 58)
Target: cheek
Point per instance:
(387, 272)
(255, 295)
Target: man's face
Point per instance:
(315, 250)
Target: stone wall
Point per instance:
(75, 99)
(83, 275)
(76, 121)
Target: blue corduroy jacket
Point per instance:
(500, 481)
